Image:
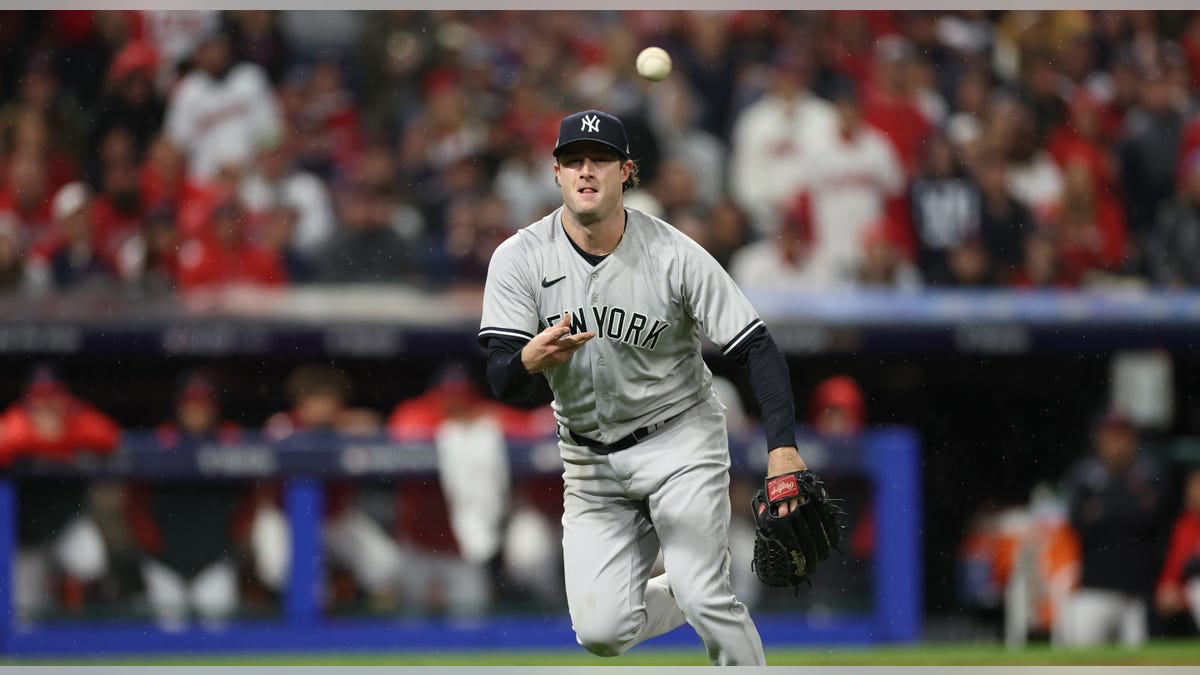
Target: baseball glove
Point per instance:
(787, 548)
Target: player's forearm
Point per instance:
(769, 380)
(508, 377)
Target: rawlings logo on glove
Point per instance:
(782, 487)
(787, 548)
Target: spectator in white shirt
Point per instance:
(274, 180)
(772, 136)
(220, 112)
(785, 261)
(849, 179)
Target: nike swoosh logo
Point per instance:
(548, 284)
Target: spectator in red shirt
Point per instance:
(1189, 42)
(166, 186)
(12, 254)
(837, 409)
(27, 191)
(50, 423)
(225, 256)
(889, 106)
(163, 175)
(1090, 231)
(1178, 588)
(58, 542)
(1082, 137)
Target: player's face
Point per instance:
(590, 177)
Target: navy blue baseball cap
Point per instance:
(592, 125)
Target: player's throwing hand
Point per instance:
(553, 346)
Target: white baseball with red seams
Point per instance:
(654, 63)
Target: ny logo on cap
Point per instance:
(591, 123)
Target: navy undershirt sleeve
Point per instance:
(767, 370)
(509, 379)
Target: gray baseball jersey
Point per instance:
(649, 302)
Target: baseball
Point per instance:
(654, 63)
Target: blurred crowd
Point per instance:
(164, 150)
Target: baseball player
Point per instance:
(609, 305)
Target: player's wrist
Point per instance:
(522, 365)
(784, 459)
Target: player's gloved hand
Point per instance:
(553, 346)
(788, 546)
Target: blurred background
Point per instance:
(242, 256)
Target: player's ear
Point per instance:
(629, 175)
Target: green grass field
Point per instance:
(1160, 653)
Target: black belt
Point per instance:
(620, 444)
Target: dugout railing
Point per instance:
(887, 458)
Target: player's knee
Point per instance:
(600, 648)
(603, 638)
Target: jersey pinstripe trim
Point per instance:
(741, 337)
(504, 332)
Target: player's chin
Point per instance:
(587, 207)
